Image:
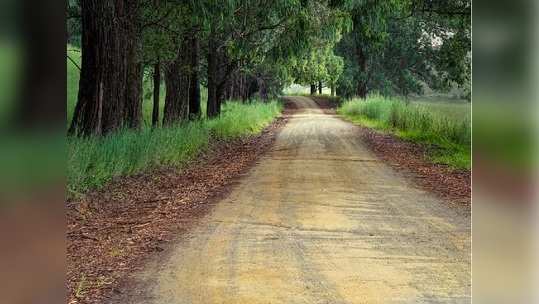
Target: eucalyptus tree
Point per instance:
(317, 67)
(395, 46)
(334, 66)
(244, 35)
(159, 45)
(111, 80)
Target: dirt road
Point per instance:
(318, 220)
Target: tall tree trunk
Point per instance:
(102, 86)
(243, 88)
(262, 89)
(332, 90)
(156, 93)
(320, 87)
(313, 88)
(177, 84)
(133, 43)
(133, 102)
(194, 81)
(362, 83)
(213, 107)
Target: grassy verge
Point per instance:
(92, 162)
(445, 128)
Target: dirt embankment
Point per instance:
(111, 232)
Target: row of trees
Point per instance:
(399, 47)
(234, 48)
(393, 47)
(238, 48)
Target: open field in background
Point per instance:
(453, 108)
(72, 83)
(297, 89)
(92, 162)
(443, 125)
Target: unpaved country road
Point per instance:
(318, 220)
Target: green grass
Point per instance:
(445, 127)
(93, 162)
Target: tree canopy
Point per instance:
(242, 48)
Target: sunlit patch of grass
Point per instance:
(446, 130)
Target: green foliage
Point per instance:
(397, 46)
(318, 65)
(447, 129)
(92, 162)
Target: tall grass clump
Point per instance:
(92, 162)
(448, 133)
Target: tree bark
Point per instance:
(133, 103)
(362, 83)
(103, 79)
(213, 108)
(133, 43)
(156, 93)
(177, 84)
(332, 90)
(313, 88)
(262, 89)
(194, 81)
(320, 87)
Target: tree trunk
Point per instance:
(332, 90)
(362, 83)
(102, 86)
(262, 89)
(156, 93)
(243, 88)
(133, 103)
(177, 84)
(320, 87)
(133, 43)
(194, 81)
(212, 108)
(313, 89)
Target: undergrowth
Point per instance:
(448, 135)
(92, 162)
